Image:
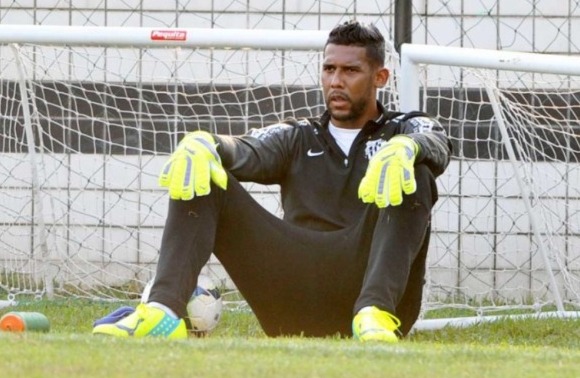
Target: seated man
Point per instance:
(357, 190)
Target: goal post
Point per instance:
(88, 116)
(514, 119)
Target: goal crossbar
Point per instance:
(413, 55)
(164, 37)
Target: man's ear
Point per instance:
(381, 77)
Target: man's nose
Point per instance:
(336, 80)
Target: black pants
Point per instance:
(300, 281)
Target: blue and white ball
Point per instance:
(204, 307)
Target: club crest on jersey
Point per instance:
(373, 146)
(303, 122)
(268, 131)
(423, 124)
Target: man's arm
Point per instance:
(262, 155)
(201, 158)
(391, 173)
(434, 146)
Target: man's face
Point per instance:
(349, 83)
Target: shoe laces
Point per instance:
(393, 319)
(142, 310)
(383, 318)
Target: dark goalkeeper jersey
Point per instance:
(319, 183)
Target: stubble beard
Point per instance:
(356, 111)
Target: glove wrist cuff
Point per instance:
(407, 141)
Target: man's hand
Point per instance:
(390, 173)
(189, 169)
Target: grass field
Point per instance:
(238, 348)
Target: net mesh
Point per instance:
(85, 131)
(507, 229)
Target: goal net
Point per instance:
(507, 228)
(89, 116)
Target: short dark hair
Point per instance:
(355, 33)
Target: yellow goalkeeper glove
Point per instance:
(189, 169)
(390, 173)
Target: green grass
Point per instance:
(238, 348)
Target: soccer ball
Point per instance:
(204, 307)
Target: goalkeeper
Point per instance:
(357, 190)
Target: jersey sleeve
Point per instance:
(261, 155)
(434, 146)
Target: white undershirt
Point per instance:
(343, 137)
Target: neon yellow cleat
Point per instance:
(146, 321)
(372, 324)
